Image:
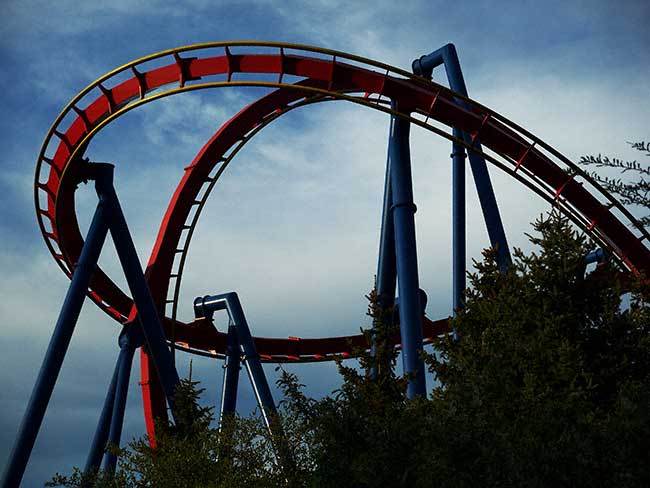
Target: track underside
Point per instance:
(317, 75)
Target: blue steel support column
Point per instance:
(204, 307)
(424, 66)
(231, 374)
(459, 238)
(57, 348)
(125, 361)
(101, 434)
(403, 209)
(151, 325)
(386, 267)
(252, 360)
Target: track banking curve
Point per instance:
(300, 75)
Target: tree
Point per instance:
(190, 453)
(550, 382)
(634, 193)
(363, 434)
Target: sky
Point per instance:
(293, 225)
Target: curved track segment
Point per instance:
(327, 77)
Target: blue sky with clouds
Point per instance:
(293, 225)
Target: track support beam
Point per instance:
(130, 340)
(58, 347)
(232, 367)
(403, 212)
(424, 67)
(151, 326)
(205, 307)
(108, 217)
(386, 280)
(100, 439)
(459, 226)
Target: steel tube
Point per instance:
(386, 266)
(231, 374)
(57, 348)
(151, 325)
(252, 360)
(98, 445)
(125, 362)
(459, 226)
(230, 301)
(424, 66)
(403, 209)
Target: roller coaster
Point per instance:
(293, 76)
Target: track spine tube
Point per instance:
(58, 346)
(403, 210)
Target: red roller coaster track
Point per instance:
(318, 75)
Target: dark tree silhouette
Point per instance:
(635, 193)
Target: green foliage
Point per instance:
(635, 193)
(547, 386)
(191, 453)
(361, 435)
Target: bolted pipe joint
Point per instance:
(204, 307)
(424, 65)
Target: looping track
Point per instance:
(318, 75)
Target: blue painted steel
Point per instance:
(206, 306)
(100, 439)
(57, 348)
(424, 67)
(403, 210)
(386, 266)
(231, 373)
(423, 304)
(252, 360)
(230, 301)
(459, 238)
(125, 361)
(596, 256)
(151, 326)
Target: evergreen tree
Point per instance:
(549, 384)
